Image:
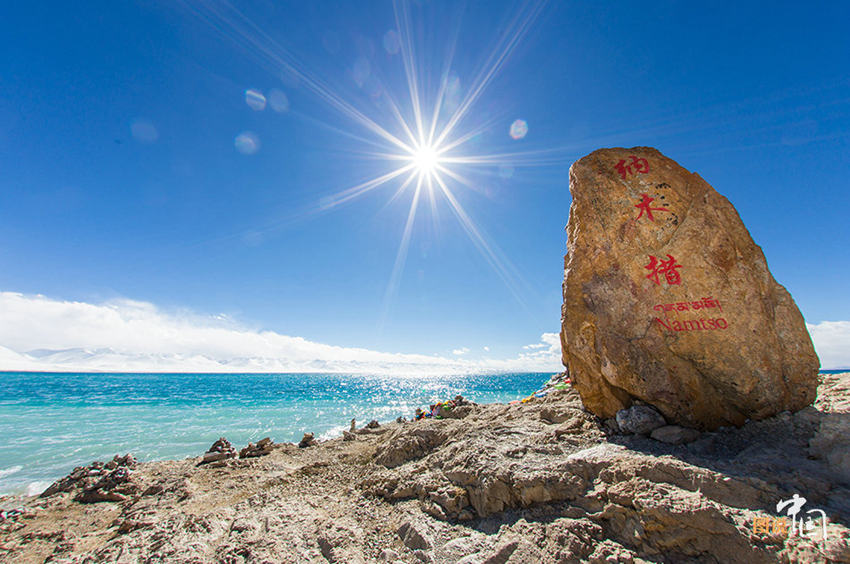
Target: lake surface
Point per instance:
(52, 422)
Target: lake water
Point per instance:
(50, 423)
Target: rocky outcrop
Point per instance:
(831, 442)
(406, 445)
(668, 300)
(98, 478)
(682, 494)
(542, 481)
(458, 408)
(116, 485)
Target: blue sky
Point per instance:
(122, 177)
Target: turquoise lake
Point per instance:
(52, 422)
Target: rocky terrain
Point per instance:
(540, 481)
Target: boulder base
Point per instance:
(668, 300)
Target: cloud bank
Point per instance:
(38, 333)
(832, 343)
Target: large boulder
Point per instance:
(668, 300)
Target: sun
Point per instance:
(425, 159)
(428, 141)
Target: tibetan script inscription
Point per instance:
(704, 303)
(701, 324)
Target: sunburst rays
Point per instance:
(421, 150)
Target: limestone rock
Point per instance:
(307, 440)
(639, 419)
(114, 486)
(86, 477)
(506, 491)
(461, 547)
(609, 551)
(409, 445)
(674, 435)
(388, 555)
(832, 443)
(668, 300)
(262, 448)
(219, 451)
(414, 537)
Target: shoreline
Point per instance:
(527, 481)
(34, 489)
(73, 420)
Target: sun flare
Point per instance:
(425, 160)
(429, 139)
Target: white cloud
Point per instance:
(546, 352)
(40, 333)
(832, 343)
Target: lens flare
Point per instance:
(519, 129)
(278, 101)
(247, 143)
(430, 132)
(255, 100)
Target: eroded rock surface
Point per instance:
(544, 481)
(668, 300)
(99, 481)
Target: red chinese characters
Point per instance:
(645, 206)
(666, 267)
(638, 165)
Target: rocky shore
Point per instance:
(539, 481)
